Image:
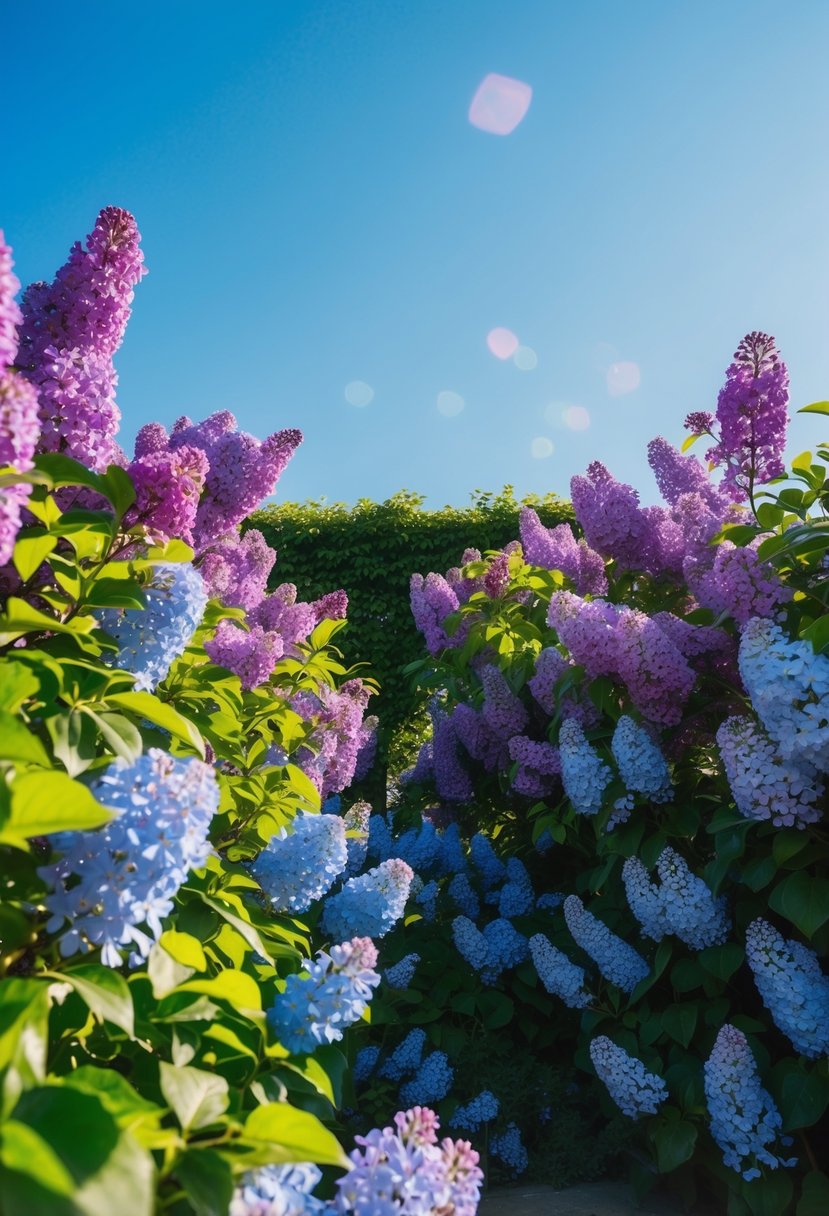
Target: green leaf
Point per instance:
(104, 991)
(184, 948)
(115, 1094)
(161, 713)
(197, 1098)
(31, 549)
(115, 593)
(20, 618)
(23, 1150)
(230, 985)
(769, 516)
(675, 1142)
(679, 1022)
(814, 1195)
(49, 802)
(24, 1017)
(242, 926)
(282, 1133)
(123, 736)
(18, 744)
(818, 634)
(207, 1180)
(802, 900)
(804, 1097)
(722, 961)
(770, 1195)
(817, 407)
(688, 442)
(17, 684)
(117, 485)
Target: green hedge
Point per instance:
(371, 550)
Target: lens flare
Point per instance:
(541, 447)
(499, 104)
(502, 342)
(358, 393)
(575, 417)
(449, 404)
(525, 359)
(622, 378)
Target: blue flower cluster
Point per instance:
(639, 759)
(691, 911)
(356, 820)
(315, 1007)
(297, 868)
(549, 901)
(634, 1089)
(406, 1057)
(125, 875)
(427, 900)
(763, 784)
(402, 973)
(431, 1082)
(480, 1109)
(380, 840)
(584, 774)
(794, 989)
(505, 948)
(617, 961)
(645, 898)
(452, 856)
(485, 860)
(365, 1063)
(470, 943)
(509, 1149)
(461, 892)
(151, 639)
(285, 1189)
(744, 1119)
(558, 975)
(420, 847)
(517, 897)
(369, 905)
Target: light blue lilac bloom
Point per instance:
(558, 974)
(431, 1082)
(617, 961)
(634, 1089)
(298, 867)
(794, 989)
(370, 904)
(317, 1006)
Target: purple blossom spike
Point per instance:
(753, 416)
(10, 314)
(610, 516)
(432, 599)
(557, 549)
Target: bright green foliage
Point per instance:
(371, 550)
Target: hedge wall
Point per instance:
(371, 549)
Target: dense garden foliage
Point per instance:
(596, 913)
(371, 549)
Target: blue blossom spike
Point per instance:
(794, 989)
(634, 1089)
(617, 961)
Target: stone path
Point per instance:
(589, 1199)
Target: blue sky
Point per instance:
(317, 210)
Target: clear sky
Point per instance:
(317, 210)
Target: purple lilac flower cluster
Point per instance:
(370, 904)
(298, 867)
(634, 1089)
(404, 1171)
(317, 1006)
(557, 549)
(745, 1122)
(794, 989)
(114, 886)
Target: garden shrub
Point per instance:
(649, 706)
(172, 1017)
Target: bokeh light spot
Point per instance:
(357, 392)
(541, 447)
(502, 342)
(525, 359)
(622, 378)
(575, 417)
(499, 104)
(450, 404)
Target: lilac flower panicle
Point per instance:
(365, 1062)
(316, 1007)
(646, 899)
(640, 761)
(677, 474)
(505, 948)
(427, 898)
(299, 867)
(558, 975)
(402, 973)
(19, 430)
(618, 962)
(483, 1108)
(152, 638)
(691, 911)
(370, 904)
(403, 1170)
(432, 600)
(745, 1122)
(763, 784)
(236, 568)
(463, 896)
(380, 842)
(168, 486)
(406, 1057)
(588, 629)
(469, 942)
(658, 676)
(550, 666)
(794, 989)
(508, 1148)
(10, 314)
(517, 897)
(557, 549)
(490, 868)
(699, 422)
(739, 584)
(431, 1082)
(634, 1089)
(452, 780)
(502, 710)
(278, 1190)
(610, 516)
(452, 855)
(752, 412)
(114, 886)
(539, 764)
(356, 821)
(584, 774)
(250, 654)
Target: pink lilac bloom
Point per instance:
(70, 331)
(588, 629)
(281, 613)
(236, 568)
(677, 474)
(609, 514)
(538, 766)
(502, 711)
(461, 584)
(432, 600)
(333, 606)
(10, 314)
(753, 416)
(557, 549)
(658, 677)
(330, 759)
(693, 641)
(168, 486)
(740, 585)
(250, 654)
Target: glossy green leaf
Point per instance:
(816, 407)
(160, 713)
(198, 1098)
(282, 1134)
(19, 745)
(104, 991)
(803, 900)
(48, 801)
